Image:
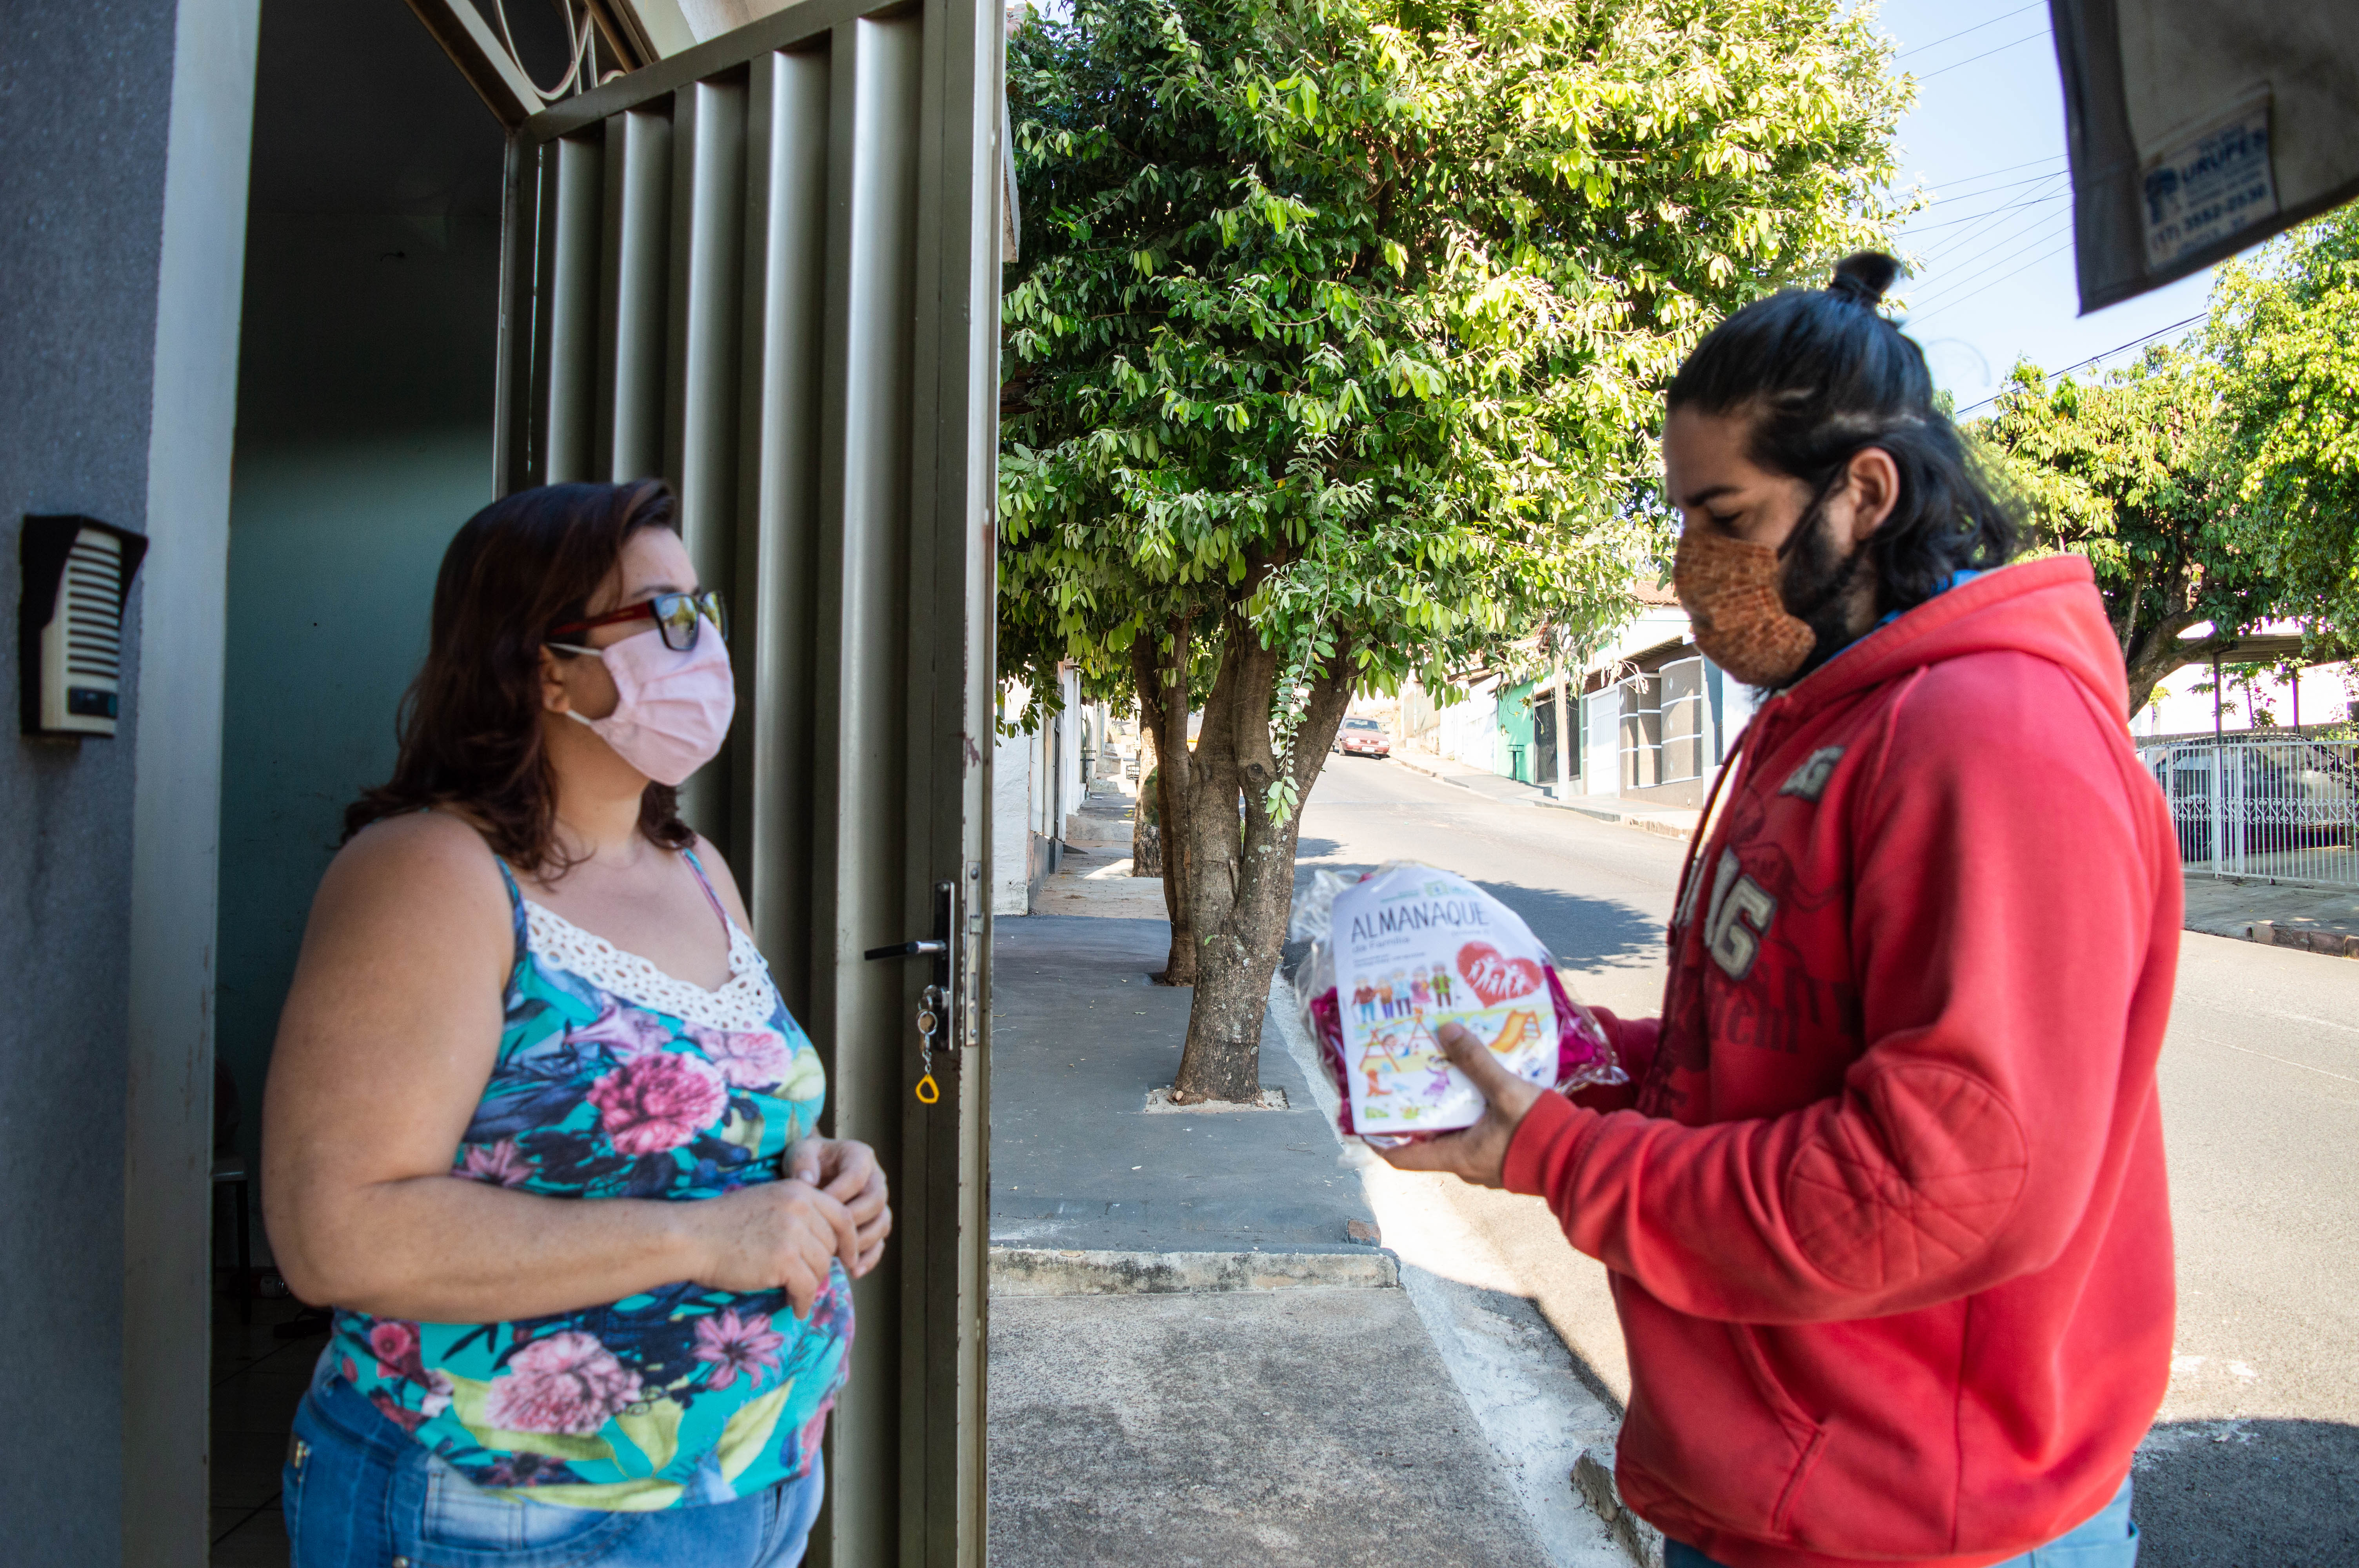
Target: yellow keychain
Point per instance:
(927, 1090)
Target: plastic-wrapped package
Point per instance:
(1400, 954)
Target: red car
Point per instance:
(1363, 738)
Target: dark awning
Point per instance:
(2197, 129)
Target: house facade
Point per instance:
(1038, 776)
(1648, 719)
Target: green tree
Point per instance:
(2215, 485)
(2136, 471)
(1335, 353)
(2285, 329)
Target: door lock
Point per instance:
(938, 1016)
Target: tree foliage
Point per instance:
(2135, 472)
(1357, 310)
(2217, 483)
(2285, 332)
(1335, 353)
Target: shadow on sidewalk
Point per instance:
(1593, 933)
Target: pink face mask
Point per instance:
(672, 710)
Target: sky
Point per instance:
(1994, 255)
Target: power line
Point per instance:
(2093, 359)
(1996, 218)
(1989, 212)
(1955, 267)
(1942, 298)
(1957, 193)
(1994, 190)
(2010, 168)
(1978, 27)
(1993, 282)
(2030, 222)
(2026, 202)
(1969, 59)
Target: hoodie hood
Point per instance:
(2049, 608)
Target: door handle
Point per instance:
(917, 949)
(942, 947)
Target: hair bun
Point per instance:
(1862, 277)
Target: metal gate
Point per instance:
(766, 270)
(2282, 805)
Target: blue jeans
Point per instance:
(2107, 1540)
(361, 1493)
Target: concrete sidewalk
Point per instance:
(1200, 1354)
(2322, 920)
(1080, 1163)
(1306, 1427)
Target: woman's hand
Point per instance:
(772, 1236)
(847, 1170)
(1478, 1154)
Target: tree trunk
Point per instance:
(1240, 862)
(1163, 708)
(1146, 817)
(2157, 650)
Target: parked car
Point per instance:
(1363, 738)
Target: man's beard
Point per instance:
(1816, 586)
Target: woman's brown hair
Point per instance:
(470, 725)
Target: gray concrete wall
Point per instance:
(84, 118)
(168, 1189)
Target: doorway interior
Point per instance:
(367, 387)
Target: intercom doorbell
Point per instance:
(77, 579)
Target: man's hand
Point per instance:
(847, 1170)
(1478, 1154)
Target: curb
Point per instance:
(2269, 934)
(1593, 1477)
(1434, 773)
(1656, 826)
(1052, 1271)
(1595, 813)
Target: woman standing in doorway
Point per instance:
(539, 1124)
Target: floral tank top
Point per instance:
(615, 1080)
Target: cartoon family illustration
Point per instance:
(1395, 1056)
(1405, 993)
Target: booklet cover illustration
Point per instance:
(1415, 949)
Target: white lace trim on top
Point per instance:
(746, 1001)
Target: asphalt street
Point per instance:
(2253, 1461)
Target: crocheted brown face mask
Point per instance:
(1729, 589)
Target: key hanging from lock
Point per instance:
(932, 1004)
(934, 1008)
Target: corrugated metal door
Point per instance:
(766, 269)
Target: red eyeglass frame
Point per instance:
(706, 604)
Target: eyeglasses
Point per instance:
(678, 617)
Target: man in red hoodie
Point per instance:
(1883, 1203)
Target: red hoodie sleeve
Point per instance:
(2001, 920)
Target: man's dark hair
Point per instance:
(1823, 374)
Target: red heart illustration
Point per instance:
(1495, 977)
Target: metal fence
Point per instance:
(2282, 804)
